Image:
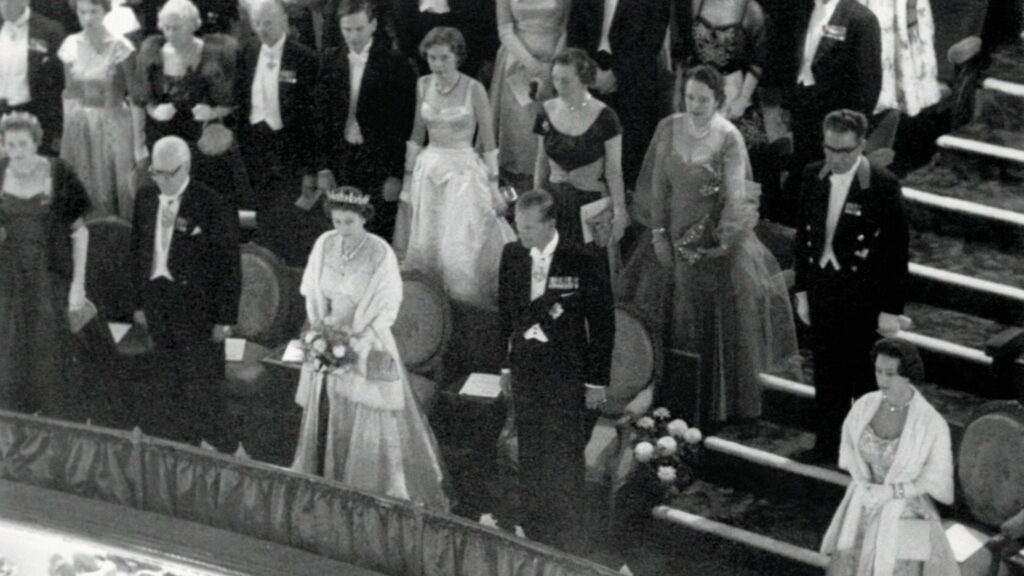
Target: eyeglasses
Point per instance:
(849, 150)
(164, 173)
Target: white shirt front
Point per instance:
(820, 17)
(14, 46)
(606, 25)
(266, 105)
(541, 267)
(356, 69)
(166, 220)
(840, 189)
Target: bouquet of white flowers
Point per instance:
(668, 448)
(328, 348)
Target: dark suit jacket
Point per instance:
(847, 71)
(297, 81)
(60, 11)
(581, 338)
(46, 73)
(204, 254)
(387, 101)
(870, 240)
(637, 36)
(476, 20)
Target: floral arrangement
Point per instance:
(328, 348)
(668, 448)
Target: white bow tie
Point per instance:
(535, 332)
(354, 58)
(539, 256)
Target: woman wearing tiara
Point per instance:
(361, 423)
(449, 218)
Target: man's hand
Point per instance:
(202, 113)
(391, 189)
(506, 384)
(162, 112)
(76, 296)
(220, 333)
(663, 252)
(737, 108)
(803, 309)
(596, 397)
(888, 324)
(139, 318)
(605, 82)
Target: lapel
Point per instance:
(617, 18)
(372, 70)
(840, 17)
(186, 213)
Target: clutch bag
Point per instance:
(914, 540)
(215, 139)
(699, 235)
(381, 366)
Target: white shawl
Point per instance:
(924, 458)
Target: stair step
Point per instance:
(981, 148)
(969, 330)
(938, 212)
(987, 300)
(1008, 87)
(966, 258)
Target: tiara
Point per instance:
(348, 195)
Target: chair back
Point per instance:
(991, 469)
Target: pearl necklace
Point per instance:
(699, 133)
(580, 106)
(346, 256)
(450, 89)
(897, 408)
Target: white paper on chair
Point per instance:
(293, 353)
(482, 385)
(234, 349)
(519, 84)
(118, 330)
(964, 541)
(589, 211)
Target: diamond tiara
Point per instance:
(348, 195)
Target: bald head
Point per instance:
(269, 20)
(171, 162)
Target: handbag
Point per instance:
(914, 539)
(381, 366)
(216, 139)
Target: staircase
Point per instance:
(966, 298)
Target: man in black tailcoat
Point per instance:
(557, 317)
(31, 74)
(626, 49)
(838, 65)
(851, 270)
(187, 281)
(475, 19)
(366, 103)
(274, 91)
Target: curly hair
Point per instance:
(910, 367)
(584, 65)
(709, 77)
(22, 122)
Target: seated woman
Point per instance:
(43, 249)
(448, 223)
(896, 446)
(361, 423)
(704, 278)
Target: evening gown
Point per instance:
(454, 233)
(577, 167)
(538, 25)
(37, 350)
(98, 139)
(734, 311)
(910, 73)
(211, 82)
(377, 438)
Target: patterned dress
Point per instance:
(910, 74)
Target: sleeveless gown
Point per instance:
(454, 233)
(734, 311)
(98, 137)
(376, 437)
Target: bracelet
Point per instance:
(658, 230)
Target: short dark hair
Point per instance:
(846, 121)
(364, 209)
(707, 76)
(105, 4)
(350, 7)
(911, 366)
(538, 198)
(584, 65)
(445, 36)
(22, 122)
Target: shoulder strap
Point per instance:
(469, 91)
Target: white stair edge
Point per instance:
(1004, 86)
(969, 282)
(982, 148)
(752, 539)
(963, 206)
(770, 460)
(945, 347)
(786, 386)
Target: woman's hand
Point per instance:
(620, 221)
(716, 252)
(736, 108)
(876, 495)
(203, 113)
(162, 112)
(663, 251)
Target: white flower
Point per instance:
(662, 413)
(310, 337)
(667, 474)
(338, 351)
(645, 423)
(556, 311)
(667, 446)
(677, 427)
(644, 451)
(693, 436)
(320, 346)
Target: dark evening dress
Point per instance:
(577, 167)
(36, 348)
(211, 83)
